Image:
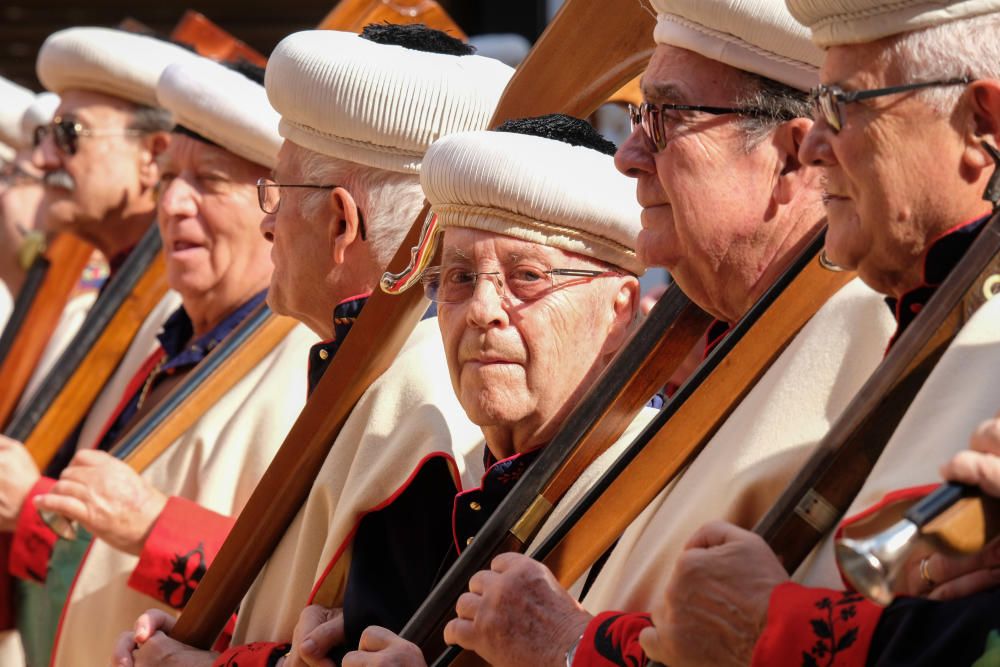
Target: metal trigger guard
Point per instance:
(420, 257)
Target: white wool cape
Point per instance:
(755, 453)
(958, 395)
(216, 463)
(410, 412)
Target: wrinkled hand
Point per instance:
(318, 631)
(516, 613)
(961, 576)
(107, 498)
(716, 600)
(381, 648)
(18, 473)
(149, 624)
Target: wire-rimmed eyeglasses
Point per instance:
(269, 197)
(654, 118)
(66, 134)
(458, 285)
(829, 101)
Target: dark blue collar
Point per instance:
(321, 354)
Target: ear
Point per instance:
(152, 147)
(345, 224)
(982, 125)
(791, 175)
(626, 308)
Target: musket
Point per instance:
(353, 15)
(68, 391)
(606, 61)
(829, 481)
(670, 441)
(53, 276)
(221, 370)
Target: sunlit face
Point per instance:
(103, 178)
(893, 174)
(519, 366)
(707, 213)
(301, 246)
(209, 220)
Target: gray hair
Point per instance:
(388, 201)
(780, 103)
(967, 47)
(151, 119)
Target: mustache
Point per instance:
(59, 178)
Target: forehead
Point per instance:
(472, 245)
(681, 76)
(857, 66)
(194, 153)
(87, 105)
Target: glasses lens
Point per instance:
(38, 136)
(268, 195)
(66, 136)
(829, 109)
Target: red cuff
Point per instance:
(612, 639)
(33, 542)
(816, 626)
(258, 654)
(184, 541)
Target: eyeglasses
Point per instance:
(655, 118)
(829, 101)
(66, 133)
(524, 284)
(269, 197)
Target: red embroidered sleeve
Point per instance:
(182, 544)
(611, 640)
(807, 627)
(258, 654)
(33, 541)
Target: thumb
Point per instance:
(325, 636)
(649, 640)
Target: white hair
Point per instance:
(388, 201)
(967, 47)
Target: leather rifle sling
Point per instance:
(211, 41)
(56, 274)
(829, 481)
(688, 422)
(236, 356)
(608, 59)
(68, 392)
(353, 15)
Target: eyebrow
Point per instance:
(662, 92)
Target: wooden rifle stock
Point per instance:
(829, 481)
(51, 280)
(688, 422)
(386, 322)
(353, 15)
(211, 41)
(68, 391)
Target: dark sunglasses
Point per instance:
(66, 134)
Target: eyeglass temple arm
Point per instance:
(992, 191)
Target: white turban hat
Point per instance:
(835, 22)
(113, 62)
(375, 104)
(39, 112)
(14, 101)
(535, 189)
(758, 36)
(224, 106)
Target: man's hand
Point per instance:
(147, 625)
(106, 497)
(716, 601)
(318, 631)
(516, 613)
(18, 473)
(381, 648)
(961, 576)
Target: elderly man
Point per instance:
(157, 531)
(910, 94)
(343, 195)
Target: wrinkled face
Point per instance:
(519, 366)
(301, 245)
(103, 177)
(209, 220)
(892, 173)
(705, 199)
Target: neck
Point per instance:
(121, 234)
(210, 310)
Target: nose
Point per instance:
(45, 155)
(816, 149)
(634, 158)
(267, 225)
(486, 308)
(178, 199)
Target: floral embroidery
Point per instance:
(834, 632)
(185, 574)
